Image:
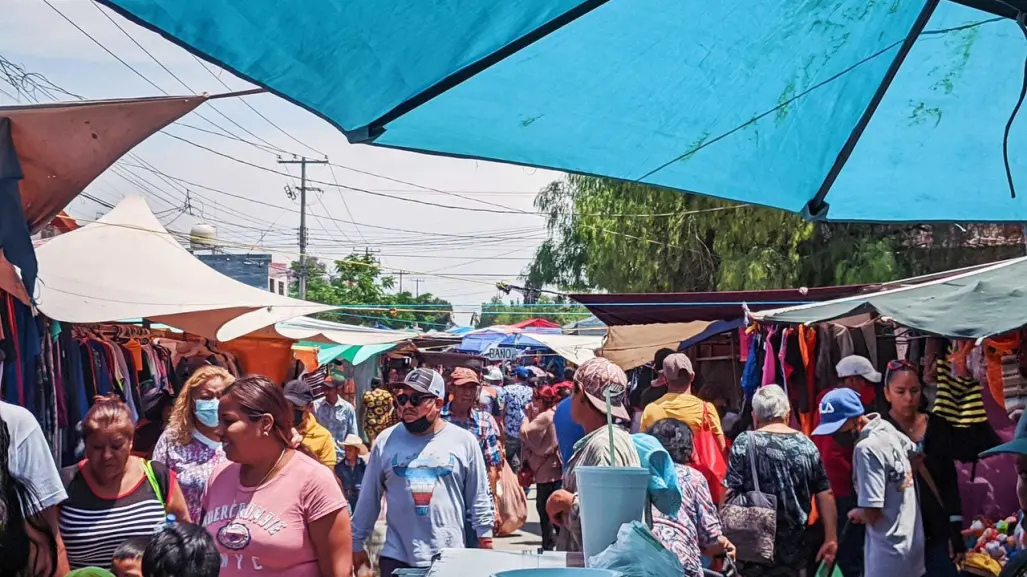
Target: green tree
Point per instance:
(358, 280)
(627, 237)
(498, 312)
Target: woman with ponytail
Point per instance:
(112, 495)
(273, 508)
(30, 489)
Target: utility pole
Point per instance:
(417, 282)
(400, 274)
(303, 162)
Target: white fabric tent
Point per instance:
(575, 348)
(310, 329)
(126, 265)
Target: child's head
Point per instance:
(182, 550)
(128, 558)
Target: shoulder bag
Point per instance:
(749, 520)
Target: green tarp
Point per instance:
(972, 305)
(355, 354)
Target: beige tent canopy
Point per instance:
(631, 346)
(127, 266)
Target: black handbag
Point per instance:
(749, 520)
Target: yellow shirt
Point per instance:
(682, 407)
(319, 441)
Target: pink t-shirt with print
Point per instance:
(265, 530)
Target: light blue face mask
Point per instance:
(207, 411)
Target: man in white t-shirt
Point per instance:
(29, 459)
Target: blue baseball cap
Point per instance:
(837, 407)
(523, 372)
(1018, 446)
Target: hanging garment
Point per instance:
(751, 372)
(769, 359)
(959, 401)
(1006, 384)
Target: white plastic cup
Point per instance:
(608, 498)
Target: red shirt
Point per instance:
(837, 459)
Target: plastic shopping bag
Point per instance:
(634, 542)
(511, 503)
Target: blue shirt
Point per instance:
(515, 398)
(340, 419)
(351, 476)
(567, 431)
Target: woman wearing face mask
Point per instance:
(433, 477)
(934, 465)
(113, 496)
(190, 445)
(272, 509)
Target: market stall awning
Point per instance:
(631, 346)
(126, 265)
(329, 332)
(851, 110)
(650, 308)
(64, 146)
(355, 354)
(575, 348)
(977, 304)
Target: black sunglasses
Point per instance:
(416, 399)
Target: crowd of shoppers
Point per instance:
(271, 475)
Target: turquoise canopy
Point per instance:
(854, 110)
(983, 302)
(355, 354)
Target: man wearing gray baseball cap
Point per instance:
(679, 403)
(433, 477)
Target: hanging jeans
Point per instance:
(542, 493)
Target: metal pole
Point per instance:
(303, 161)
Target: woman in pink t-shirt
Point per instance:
(273, 509)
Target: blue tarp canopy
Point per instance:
(855, 110)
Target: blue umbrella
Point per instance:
(856, 110)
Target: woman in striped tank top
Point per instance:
(113, 496)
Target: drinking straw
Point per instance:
(609, 393)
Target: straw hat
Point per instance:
(352, 440)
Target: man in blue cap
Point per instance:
(886, 494)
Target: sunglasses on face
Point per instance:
(416, 399)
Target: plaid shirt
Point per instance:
(483, 426)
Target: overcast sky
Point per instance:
(458, 254)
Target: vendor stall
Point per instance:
(963, 332)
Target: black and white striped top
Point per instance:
(93, 527)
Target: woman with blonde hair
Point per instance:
(190, 445)
(112, 495)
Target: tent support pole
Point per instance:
(816, 209)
